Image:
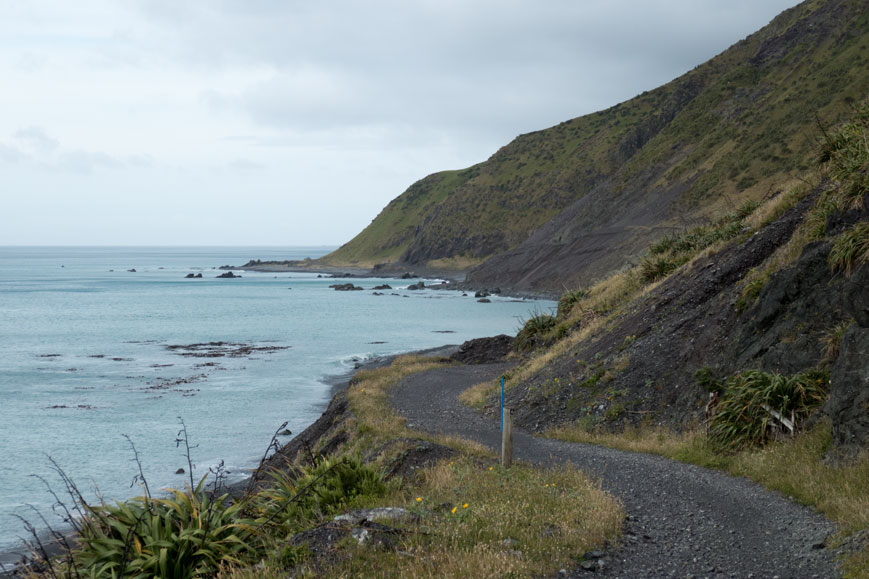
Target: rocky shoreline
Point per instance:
(450, 279)
(337, 383)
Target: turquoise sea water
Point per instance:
(90, 351)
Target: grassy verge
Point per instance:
(478, 520)
(474, 518)
(469, 517)
(793, 467)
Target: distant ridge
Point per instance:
(566, 205)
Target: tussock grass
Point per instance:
(850, 249)
(745, 416)
(832, 339)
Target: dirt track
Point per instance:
(683, 521)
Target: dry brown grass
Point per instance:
(477, 395)
(368, 397)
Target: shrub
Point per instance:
(745, 414)
(569, 299)
(188, 534)
(296, 498)
(846, 155)
(750, 292)
(663, 245)
(655, 268)
(746, 209)
(533, 332)
(705, 377)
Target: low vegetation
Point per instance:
(757, 407)
(467, 516)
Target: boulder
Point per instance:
(384, 286)
(228, 274)
(416, 286)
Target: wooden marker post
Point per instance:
(507, 439)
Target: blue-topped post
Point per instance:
(502, 404)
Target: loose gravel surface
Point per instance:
(683, 521)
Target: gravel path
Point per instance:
(683, 521)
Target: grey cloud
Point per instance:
(241, 164)
(11, 155)
(36, 138)
(495, 67)
(35, 147)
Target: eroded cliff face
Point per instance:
(848, 406)
(641, 368)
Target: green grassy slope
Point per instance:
(730, 128)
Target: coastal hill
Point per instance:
(561, 207)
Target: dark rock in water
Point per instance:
(180, 471)
(228, 274)
(416, 286)
(409, 275)
(482, 294)
(285, 432)
(382, 287)
(189, 276)
(377, 293)
(345, 287)
(198, 275)
(133, 270)
(484, 301)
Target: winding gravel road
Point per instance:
(683, 521)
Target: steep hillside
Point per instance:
(559, 207)
(780, 288)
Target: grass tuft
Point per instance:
(850, 249)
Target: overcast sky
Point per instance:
(282, 122)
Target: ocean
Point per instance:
(91, 352)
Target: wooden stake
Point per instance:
(507, 439)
